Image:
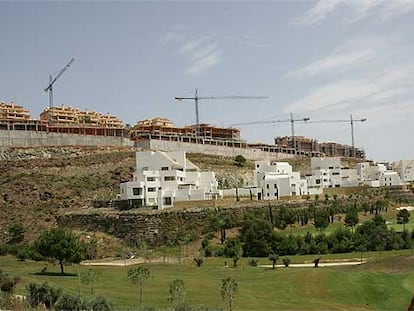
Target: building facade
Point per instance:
(274, 180)
(161, 178)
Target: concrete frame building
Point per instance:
(161, 178)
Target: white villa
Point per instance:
(276, 180)
(161, 178)
(329, 173)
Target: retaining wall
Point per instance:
(12, 138)
(248, 153)
(158, 227)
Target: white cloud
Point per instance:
(355, 10)
(203, 63)
(377, 88)
(336, 61)
(201, 53)
(317, 13)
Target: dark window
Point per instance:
(136, 191)
(150, 178)
(169, 178)
(152, 189)
(164, 168)
(267, 186)
(167, 201)
(317, 181)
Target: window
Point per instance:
(150, 178)
(136, 191)
(257, 165)
(275, 186)
(169, 178)
(335, 173)
(318, 181)
(167, 201)
(164, 168)
(293, 185)
(331, 167)
(267, 186)
(152, 189)
(268, 195)
(145, 168)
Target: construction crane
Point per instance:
(196, 98)
(351, 120)
(292, 125)
(49, 88)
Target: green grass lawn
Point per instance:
(381, 284)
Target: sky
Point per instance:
(323, 60)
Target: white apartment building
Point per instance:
(405, 169)
(329, 173)
(377, 175)
(276, 180)
(161, 178)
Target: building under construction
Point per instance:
(61, 120)
(302, 145)
(163, 128)
(311, 147)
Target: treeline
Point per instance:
(258, 239)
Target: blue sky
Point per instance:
(319, 59)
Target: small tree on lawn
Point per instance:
(273, 257)
(60, 244)
(139, 276)
(403, 217)
(233, 249)
(177, 294)
(229, 289)
(90, 277)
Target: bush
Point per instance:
(286, 262)
(100, 304)
(42, 294)
(73, 303)
(253, 262)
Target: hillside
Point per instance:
(36, 182)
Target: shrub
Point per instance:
(42, 294)
(73, 303)
(100, 304)
(253, 262)
(286, 261)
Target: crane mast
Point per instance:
(292, 121)
(196, 99)
(49, 88)
(351, 121)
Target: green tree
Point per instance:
(90, 277)
(403, 217)
(233, 249)
(16, 233)
(321, 220)
(351, 218)
(273, 257)
(177, 295)
(229, 288)
(60, 244)
(239, 160)
(257, 237)
(139, 276)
